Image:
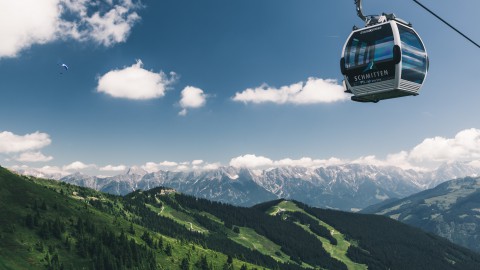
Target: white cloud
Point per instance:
(134, 82)
(211, 166)
(111, 27)
(155, 167)
(33, 157)
(307, 162)
(475, 163)
(12, 143)
(197, 162)
(182, 168)
(52, 170)
(27, 22)
(314, 91)
(24, 23)
(77, 165)
(192, 97)
(465, 146)
(260, 162)
(168, 163)
(432, 152)
(45, 171)
(251, 161)
(113, 168)
(151, 167)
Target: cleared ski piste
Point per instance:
(338, 251)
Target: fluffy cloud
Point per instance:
(168, 163)
(28, 22)
(33, 157)
(112, 168)
(12, 143)
(251, 161)
(111, 27)
(134, 82)
(52, 170)
(314, 91)
(475, 163)
(260, 162)
(211, 166)
(77, 165)
(465, 146)
(192, 97)
(180, 166)
(155, 167)
(197, 162)
(307, 162)
(432, 152)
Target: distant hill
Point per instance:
(348, 187)
(47, 224)
(451, 210)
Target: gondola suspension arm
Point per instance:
(371, 19)
(358, 4)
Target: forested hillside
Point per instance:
(47, 224)
(450, 210)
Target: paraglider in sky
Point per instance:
(63, 67)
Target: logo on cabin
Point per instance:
(375, 75)
(371, 66)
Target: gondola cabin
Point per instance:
(383, 61)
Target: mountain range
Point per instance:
(348, 187)
(450, 210)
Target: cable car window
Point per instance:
(384, 49)
(361, 53)
(414, 57)
(371, 44)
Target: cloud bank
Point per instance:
(427, 155)
(135, 83)
(28, 22)
(313, 91)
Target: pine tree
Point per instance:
(43, 206)
(131, 230)
(168, 250)
(185, 265)
(29, 221)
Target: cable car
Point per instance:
(385, 59)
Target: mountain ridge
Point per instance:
(450, 210)
(347, 187)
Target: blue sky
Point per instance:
(153, 84)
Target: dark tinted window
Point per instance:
(414, 57)
(370, 45)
